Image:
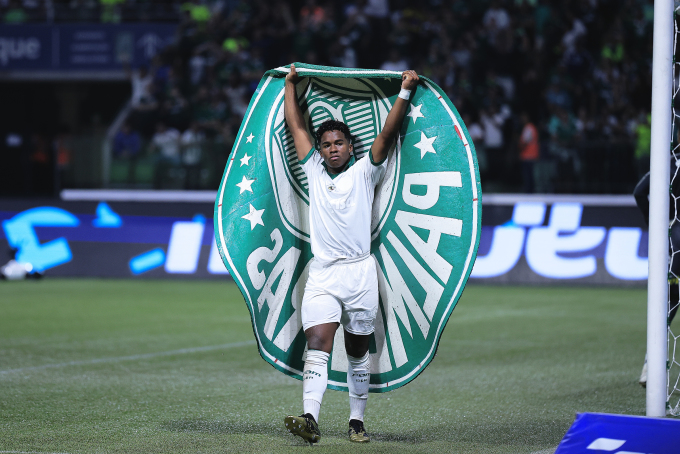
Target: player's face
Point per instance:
(335, 151)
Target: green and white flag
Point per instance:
(426, 217)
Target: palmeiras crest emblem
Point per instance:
(426, 218)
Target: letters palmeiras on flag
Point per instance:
(425, 223)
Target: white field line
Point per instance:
(117, 359)
(545, 451)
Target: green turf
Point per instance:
(78, 372)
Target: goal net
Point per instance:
(673, 364)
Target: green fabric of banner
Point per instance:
(307, 70)
(426, 218)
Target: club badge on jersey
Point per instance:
(426, 218)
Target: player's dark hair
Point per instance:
(333, 125)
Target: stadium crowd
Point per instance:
(556, 95)
(104, 11)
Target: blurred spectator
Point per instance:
(557, 95)
(111, 11)
(496, 17)
(562, 130)
(312, 15)
(493, 120)
(126, 147)
(42, 171)
(580, 70)
(209, 110)
(613, 50)
(577, 30)
(395, 62)
(161, 73)
(477, 135)
(64, 156)
(585, 125)
(377, 12)
(236, 93)
(343, 54)
(81, 10)
(15, 14)
(141, 80)
(145, 112)
(643, 143)
(462, 52)
(165, 147)
(175, 111)
(197, 65)
(192, 141)
(528, 152)
(577, 61)
(197, 11)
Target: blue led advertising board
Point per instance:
(112, 240)
(77, 47)
(522, 242)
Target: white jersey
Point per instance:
(340, 207)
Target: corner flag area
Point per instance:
(172, 366)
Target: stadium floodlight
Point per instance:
(657, 290)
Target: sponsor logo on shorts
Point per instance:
(425, 221)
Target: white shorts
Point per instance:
(342, 292)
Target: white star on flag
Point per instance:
(425, 144)
(255, 217)
(245, 159)
(245, 185)
(415, 112)
(250, 138)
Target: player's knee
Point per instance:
(318, 342)
(356, 352)
(355, 345)
(321, 337)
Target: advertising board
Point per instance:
(81, 47)
(562, 239)
(591, 240)
(109, 239)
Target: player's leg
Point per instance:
(358, 373)
(358, 379)
(673, 303)
(315, 374)
(320, 319)
(314, 382)
(358, 320)
(673, 291)
(673, 300)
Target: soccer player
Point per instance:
(343, 284)
(641, 194)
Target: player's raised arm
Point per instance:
(294, 119)
(382, 143)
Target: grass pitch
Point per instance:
(163, 366)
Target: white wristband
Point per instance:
(404, 94)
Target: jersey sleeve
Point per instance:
(374, 172)
(310, 161)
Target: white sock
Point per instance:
(314, 381)
(358, 378)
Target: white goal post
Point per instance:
(657, 287)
